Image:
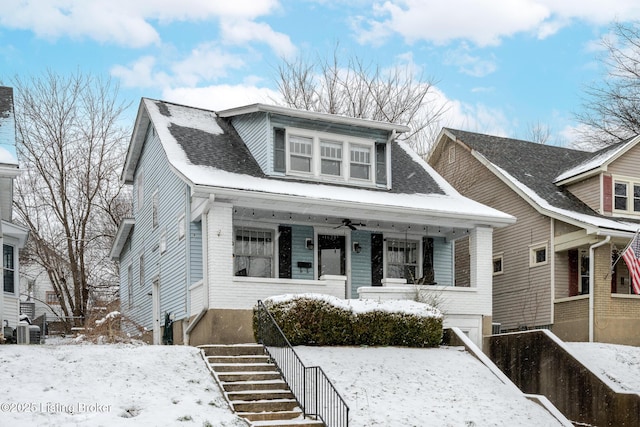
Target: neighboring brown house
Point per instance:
(576, 212)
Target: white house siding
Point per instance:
(11, 309)
(360, 262)
(254, 130)
(195, 257)
(521, 295)
(300, 253)
(169, 267)
(219, 235)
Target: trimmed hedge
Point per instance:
(315, 321)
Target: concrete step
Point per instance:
(271, 416)
(255, 385)
(232, 349)
(239, 359)
(229, 377)
(260, 395)
(243, 367)
(272, 405)
(288, 423)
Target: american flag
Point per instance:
(631, 257)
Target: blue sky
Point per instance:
(500, 66)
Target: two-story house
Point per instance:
(12, 236)
(238, 205)
(576, 212)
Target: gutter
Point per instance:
(592, 282)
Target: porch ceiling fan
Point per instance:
(352, 225)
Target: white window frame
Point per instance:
(163, 241)
(154, 209)
(258, 228)
(182, 227)
(408, 239)
(141, 269)
(630, 184)
(140, 188)
(130, 285)
(533, 252)
(498, 257)
(346, 142)
(13, 268)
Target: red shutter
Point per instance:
(607, 193)
(573, 272)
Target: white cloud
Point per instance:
(484, 22)
(123, 22)
(205, 63)
(468, 64)
(240, 32)
(221, 97)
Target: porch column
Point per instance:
(219, 257)
(481, 271)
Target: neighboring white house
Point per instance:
(238, 205)
(12, 236)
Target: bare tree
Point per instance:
(612, 107)
(71, 148)
(358, 90)
(538, 133)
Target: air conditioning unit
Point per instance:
(22, 333)
(27, 334)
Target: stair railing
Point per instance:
(314, 392)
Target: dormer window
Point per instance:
(330, 157)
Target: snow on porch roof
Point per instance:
(417, 190)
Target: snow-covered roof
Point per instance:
(7, 128)
(206, 151)
(599, 161)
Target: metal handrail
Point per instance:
(313, 390)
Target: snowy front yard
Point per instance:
(140, 385)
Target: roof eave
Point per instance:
(124, 229)
(312, 115)
(135, 144)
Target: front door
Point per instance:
(331, 255)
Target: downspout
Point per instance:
(592, 281)
(205, 268)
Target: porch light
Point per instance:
(309, 243)
(356, 247)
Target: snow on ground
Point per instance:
(109, 385)
(58, 384)
(398, 387)
(617, 365)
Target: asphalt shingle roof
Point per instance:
(534, 165)
(226, 151)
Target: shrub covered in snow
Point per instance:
(314, 319)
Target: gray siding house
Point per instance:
(238, 205)
(12, 236)
(576, 212)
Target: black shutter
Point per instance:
(377, 266)
(381, 164)
(428, 275)
(284, 252)
(279, 150)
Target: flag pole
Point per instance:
(633, 239)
